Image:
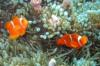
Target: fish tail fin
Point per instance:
(60, 42)
(84, 40)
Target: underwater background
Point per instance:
(49, 32)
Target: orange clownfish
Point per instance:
(72, 40)
(16, 27)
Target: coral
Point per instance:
(67, 4)
(38, 46)
(24, 55)
(52, 62)
(36, 4)
(83, 19)
(26, 59)
(55, 19)
(94, 16)
(18, 8)
(83, 62)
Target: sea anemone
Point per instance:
(54, 21)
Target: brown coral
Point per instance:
(36, 4)
(67, 4)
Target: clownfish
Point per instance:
(16, 27)
(72, 40)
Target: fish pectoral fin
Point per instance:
(74, 44)
(13, 37)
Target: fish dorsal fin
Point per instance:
(21, 18)
(21, 21)
(79, 38)
(70, 37)
(12, 24)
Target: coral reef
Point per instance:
(55, 19)
(47, 23)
